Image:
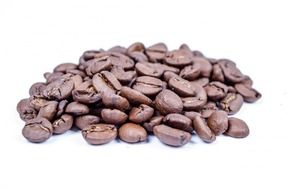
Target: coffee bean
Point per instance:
(61, 107)
(25, 111)
(49, 110)
(86, 93)
(216, 90)
(63, 124)
(36, 90)
(115, 101)
(98, 65)
(77, 108)
(135, 96)
(136, 47)
(168, 102)
(218, 122)
(84, 121)
(237, 128)
(123, 76)
(132, 133)
(64, 67)
(197, 101)
(205, 65)
(231, 103)
(148, 85)
(37, 130)
(217, 73)
(178, 121)
(114, 116)
(178, 58)
(99, 133)
(208, 109)
(249, 94)
(141, 114)
(171, 136)
(191, 114)
(156, 120)
(202, 130)
(190, 72)
(182, 87)
(59, 89)
(230, 71)
(148, 69)
(168, 75)
(37, 102)
(106, 82)
(156, 52)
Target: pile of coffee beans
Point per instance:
(130, 93)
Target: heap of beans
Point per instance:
(134, 92)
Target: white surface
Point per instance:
(35, 36)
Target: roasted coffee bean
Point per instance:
(141, 114)
(171, 136)
(217, 73)
(168, 93)
(197, 101)
(63, 124)
(202, 130)
(25, 111)
(37, 102)
(156, 52)
(178, 58)
(115, 101)
(106, 82)
(218, 122)
(182, 87)
(86, 93)
(132, 133)
(230, 71)
(205, 65)
(49, 110)
(123, 76)
(84, 121)
(156, 120)
(37, 89)
(135, 96)
(148, 69)
(148, 85)
(249, 94)
(37, 130)
(216, 90)
(178, 121)
(114, 116)
(99, 133)
(59, 89)
(208, 109)
(231, 103)
(237, 128)
(168, 102)
(64, 67)
(77, 108)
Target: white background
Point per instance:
(37, 35)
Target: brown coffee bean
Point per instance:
(202, 130)
(168, 75)
(182, 87)
(156, 52)
(37, 102)
(64, 67)
(123, 76)
(141, 114)
(36, 90)
(61, 107)
(178, 58)
(148, 85)
(63, 124)
(59, 89)
(86, 93)
(118, 49)
(156, 120)
(37, 130)
(208, 109)
(178, 121)
(148, 69)
(84, 121)
(201, 81)
(218, 122)
(99, 133)
(171, 136)
(137, 46)
(114, 116)
(231, 103)
(191, 114)
(98, 65)
(168, 102)
(77, 108)
(249, 94)
(49, 110)
(25, 111)
(135, 96)
(230, 71)
(132, 133)
(205, 65)
(190, 72)
(115, 101)
(106, 82)
(197, 101)
(217, 73)
(216, 90)
(237, 128)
